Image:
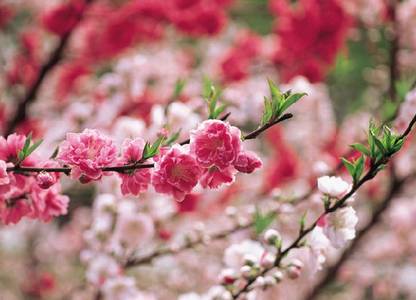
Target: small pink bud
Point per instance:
(278, 275)
(249, 259)
(45, 180)
(227, 276)
(271, 237)
(267, 260)
(294, 269)
(246, 272)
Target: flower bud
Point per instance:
(249, 259)
(267, 260)
(272, 237)
(278, 275)
(294, 269)
(45, 180)
(246, 272)
(227, 276)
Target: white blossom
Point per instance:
(340, 226)
(333, 186)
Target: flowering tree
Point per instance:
(178, 150)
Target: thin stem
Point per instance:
(266, 126)
(132, 262)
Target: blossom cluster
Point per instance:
(212, 158)
(36, 197)
(251, 262)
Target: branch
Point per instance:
(67, 170)
(330, 275)
(31, 94)
(258, 131)
(133, 262)
(372, 172)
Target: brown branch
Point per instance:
(372, 172)
(132, 262)
(375, 219)
(30, 97)
(67, 170)
(263, 128)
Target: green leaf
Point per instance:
(290, 101)
(359, 168)
(261, 222)
(146, 151)
(380, 145)
(21, 155)
(55, 153)
(179, 86)
(274, 90)
(173, 138)
(381, 168)
(154, 149)
(27, 143)
(267, 114)
(303, 220)
(350, 167)
(33, 148)
(207, 90)
(360, 147)
(219, 110)
(397, 146)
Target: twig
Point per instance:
(375, 219)
(296, 244)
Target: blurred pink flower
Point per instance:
(48, 203)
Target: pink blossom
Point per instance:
(88, 152)
(9, 147)
(48, 203)
(215, 143)
(135, 181)
(214, 177)
(4, 177)
(176, 173)
(247, 162)
(44, 180)
(13, 206)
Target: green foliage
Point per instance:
(278, 104)
(55, 153)
(173, 138)
(382, 144)
(179, 86)
(27, 149)
(211, 95)
(355, 168)
(152, 150)
(261, 222)
(303, 221)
